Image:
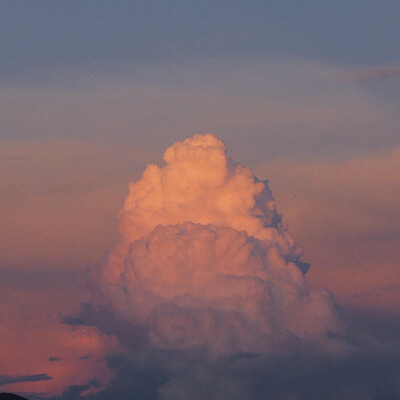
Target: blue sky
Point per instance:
(59, 33)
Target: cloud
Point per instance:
(34, 342)
(6, 379)
(349, 204)
(206, 294)
(263, 110)
(184, 376)
(374, 74)
(379, 291)
(204, 260)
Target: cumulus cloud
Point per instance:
(205, 292)
(204, 260)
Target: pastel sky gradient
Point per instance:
(305, 94)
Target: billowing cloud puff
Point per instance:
(204, 261)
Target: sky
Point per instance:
(303, 94)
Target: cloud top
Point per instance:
(199, 183)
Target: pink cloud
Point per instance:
(204, 260)
(374, 74)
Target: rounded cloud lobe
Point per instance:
(204, 261)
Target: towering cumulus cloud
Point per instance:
(205, 262)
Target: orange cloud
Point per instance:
(203, 261)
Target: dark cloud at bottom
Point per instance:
(368, 370)
(183, 375)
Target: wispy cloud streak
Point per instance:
(7, 379)
(377, 292)
(374, 74)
